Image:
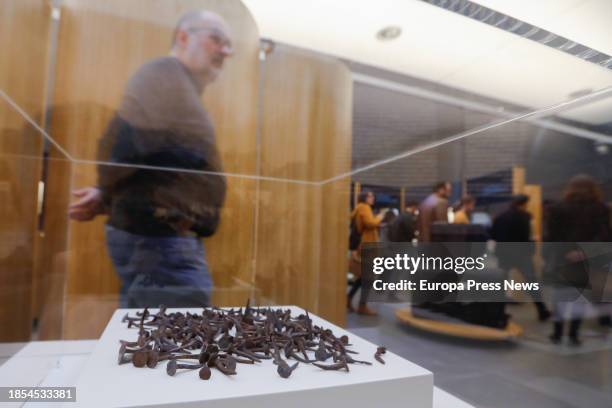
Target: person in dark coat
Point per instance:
(403, 228)
(514, 225)
(582, 216)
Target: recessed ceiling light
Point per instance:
(602, 148)
(389, 33)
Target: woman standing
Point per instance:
(582, 216)
(367, 225)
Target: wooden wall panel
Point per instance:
(518, 180)
(534, 207)
(52, 251)
(24, 41)
(288, 248)
(303, 228)
(24, 31)
(100, 45)
(335, 199)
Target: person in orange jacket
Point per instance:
(367, 224)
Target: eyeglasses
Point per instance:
(217, 36)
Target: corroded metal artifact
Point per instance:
(221, 339)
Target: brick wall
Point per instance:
(386, 123)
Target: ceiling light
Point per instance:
(389, 33)
(602, 148)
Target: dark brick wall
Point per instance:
(386, 123)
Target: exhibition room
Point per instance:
(358, 203)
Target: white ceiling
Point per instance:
(444, 47)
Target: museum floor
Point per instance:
(528, 373)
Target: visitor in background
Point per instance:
(403, 227)
(582, 216)
(433, 209)
(367, 225)
(412, 207)
(391, 215)
(464, 212)
(514, 225)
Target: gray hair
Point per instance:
(187, 22)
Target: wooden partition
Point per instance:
(24, 39)
(281, 241)
(101, 43)
(303, 225)
(518, 179)
(534, 206)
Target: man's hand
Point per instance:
(88, 205)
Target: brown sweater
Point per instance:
(432, 209)
(161, 122)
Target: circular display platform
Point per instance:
(465, 330)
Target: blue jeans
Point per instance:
(159, 270)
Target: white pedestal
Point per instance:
(104, 383)
(44, 364)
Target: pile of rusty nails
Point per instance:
(258, 334)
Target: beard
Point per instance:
(208, 73)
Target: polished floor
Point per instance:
(530, 372)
